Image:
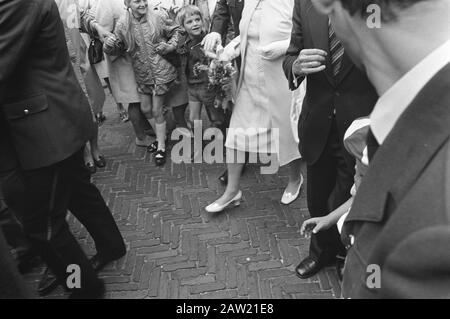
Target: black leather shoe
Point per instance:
(48, 283)
(98, 262)
(27, 262)
(91, 168)
(308, 267)
(101, 162)
(95, 291)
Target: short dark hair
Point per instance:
(389, 8)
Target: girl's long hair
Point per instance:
(154, 21)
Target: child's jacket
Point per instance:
(150, 68)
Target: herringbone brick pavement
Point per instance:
(177, 250)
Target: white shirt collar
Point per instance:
(395, 101)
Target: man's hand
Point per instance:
(163, 48)
(211, 41)
(309, 61)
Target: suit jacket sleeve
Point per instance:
(221, 18)
(295, 47)
(19, 22)
(425, 273)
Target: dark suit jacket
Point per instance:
(400, 218)
(226, 11)
(351, 93)
(47, 115)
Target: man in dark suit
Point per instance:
(45, 122)
(398, 230)
(226, 12)
(337, 93)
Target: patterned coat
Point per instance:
(150, 68)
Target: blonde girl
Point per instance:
(148, 38)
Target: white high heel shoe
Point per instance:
(216, 208)
(288, 197)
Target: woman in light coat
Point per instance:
(263, 104)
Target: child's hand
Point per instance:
(315, 225)
(163, 48)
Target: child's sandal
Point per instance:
(160, 157)
(152, 148)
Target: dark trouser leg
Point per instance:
(13, 231)
(45, 195)
(88, 206)
(138, 120)
(11, 283)
(328, 186)
(179, 115)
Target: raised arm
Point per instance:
(295, 46)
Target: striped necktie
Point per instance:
(372, 145)
(336, 50)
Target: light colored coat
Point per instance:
(119, 69)
(275, 34)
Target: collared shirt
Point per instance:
(396, 100)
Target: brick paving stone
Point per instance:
(153, 249)
(174, 289)
(213, 235)
(164, 286)
(175, 249)
(221, 268)
(138, 268)
(273, 273)
(146, 275)
(144, 243)
(249, 259)
(211, 259)
(182, 265)
(242, 281)
(154, 282)
(231, 279)
(264, 265)
(231, 247)
(189, 273)
(166, 232)
(202, 254)
(206, 279)
(207, 287)
(266, 291)
(171, 260)
(163, 254)
(225, 294)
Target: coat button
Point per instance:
(26, 112)
(351, 242)
(351, 238)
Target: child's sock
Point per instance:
(160, 130)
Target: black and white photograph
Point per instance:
(247, 152)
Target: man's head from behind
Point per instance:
(357, 22)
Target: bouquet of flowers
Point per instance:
(220, 76)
